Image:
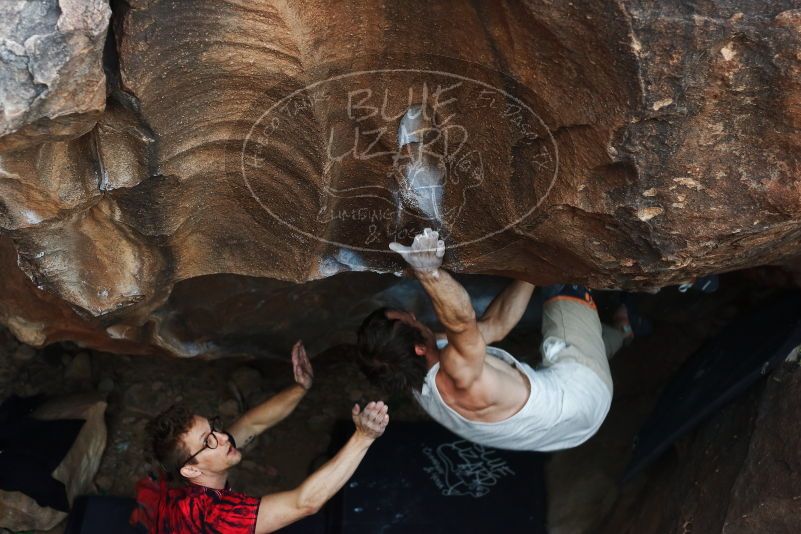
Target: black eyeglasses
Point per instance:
(211, 440)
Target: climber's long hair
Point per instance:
(386, 353)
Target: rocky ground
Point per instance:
(582, 482)
(137, 388)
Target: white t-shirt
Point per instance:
(566, 406)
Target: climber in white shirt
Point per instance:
(480, 392)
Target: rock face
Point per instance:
(76, 471)
(617, 145)
(738, 474)
(52, 85)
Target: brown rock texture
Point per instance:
(738, 474)
(52, 84)
(615, 144)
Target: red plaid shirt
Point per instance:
(193, 509)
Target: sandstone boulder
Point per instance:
(614, 144)
(77, 470)
(737, 474)
(52, 84)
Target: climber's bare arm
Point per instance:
(277, 408)
(463, 359)
(505, 311)
(503, 314)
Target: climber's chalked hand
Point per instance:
(426, 252)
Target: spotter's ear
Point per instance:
(190, 471)
(420, 350)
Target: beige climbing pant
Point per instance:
(576, 322)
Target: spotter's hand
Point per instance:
(301, 366)
(372, 421)
(425, 254)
